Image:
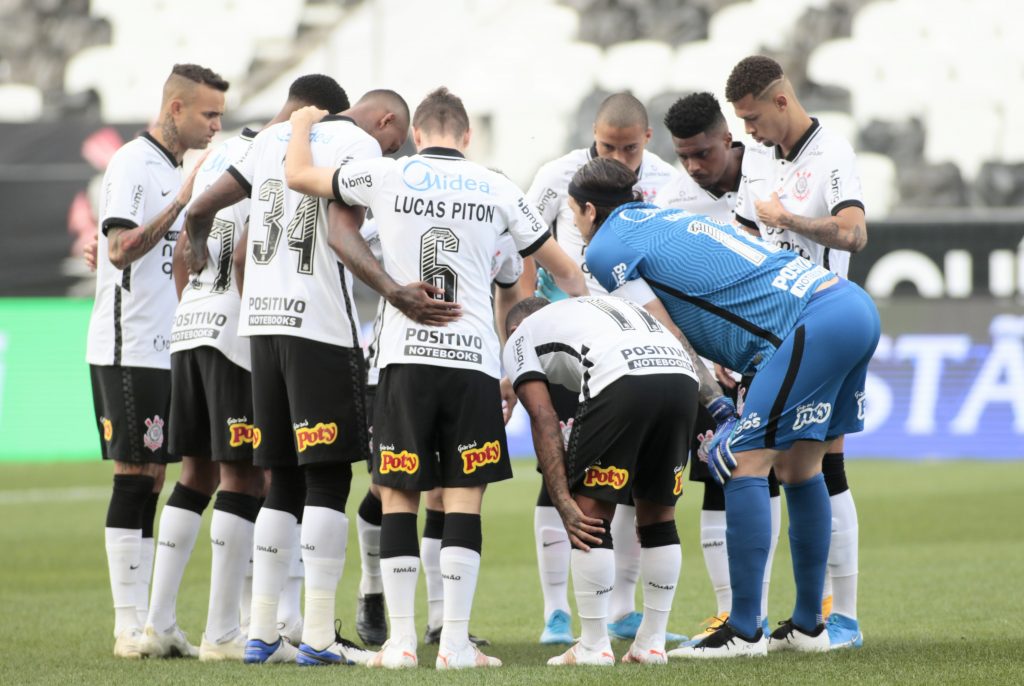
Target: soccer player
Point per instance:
(371, 625)
(712, 161)
(211, 422)
(297, 308)
(621, 132)
(801, 191)
(438, 416)
(753, 307)
(638, 396)
(130, 331)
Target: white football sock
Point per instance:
(245, 605)
(289, 611)
(660, 570)
(369, 557)
(460, 568)
(324, 534)
(123, 559)
(176, 537)
(716, 556)
(593, 574)
(627, 562)
(843, 555)
(231, 545)
(430, 559)
(776, 512)
(274, 543)
(147, 551)
(553, 554)
(399, 576)
(826, 588)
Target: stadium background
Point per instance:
(931, 93)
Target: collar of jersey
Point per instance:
(438, 151)
(594, 156)
(248, 133)
(155, 143)
(338, 117)
(801, 142)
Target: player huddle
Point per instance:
(258, 375)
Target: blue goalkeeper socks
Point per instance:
(810, 530)
(748, 533)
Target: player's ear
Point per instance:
(648, 134)
(727, 137)
(416, 137)
(385, 120)
(466, 137)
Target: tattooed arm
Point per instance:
(846, 230)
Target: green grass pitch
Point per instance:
(941, 566)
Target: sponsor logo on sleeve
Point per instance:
(320, 434)
(473, 457)
(812, 413)
(606, 476)
(619, 274)
(404, 461)
(154, 436)
(108, 429)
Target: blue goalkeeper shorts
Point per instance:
(812, 389)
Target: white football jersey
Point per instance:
(440, 218)
(295, 285)
(683, 193)
(817, 179)
(585, 344)
(134, 307)
(208, 311)
(550, 194)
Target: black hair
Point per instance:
(201, 75)
(751, 76)
(695, 114)
(521, 310)
(608, 178)
(320, 91)
(621, 111)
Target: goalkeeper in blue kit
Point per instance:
(752, 307)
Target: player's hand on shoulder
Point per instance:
(185, 192)
(421, 302)
(307, 116)
(724, 377)
(89, 252)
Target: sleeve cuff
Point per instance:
(535, 246)
(839, 207)
(499, 284)
(242, 181)
(117, 223)
(746, 222)
(529, 376)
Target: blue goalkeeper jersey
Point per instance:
(734, 296)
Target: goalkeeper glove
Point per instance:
(720, 459)
(547, 288)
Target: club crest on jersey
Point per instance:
(108, 429)
(404, 461)
(240, 433)
(154, 436)
(812, 414)
(321, 434)
(861, 404)
(802, 186)
(473, 457)
(606, 476)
